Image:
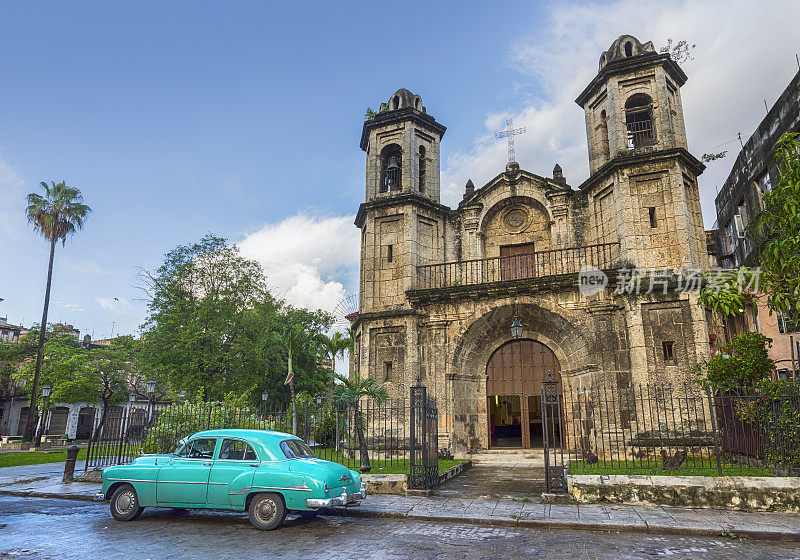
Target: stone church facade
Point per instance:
(440, 286)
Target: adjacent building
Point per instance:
(738, 202)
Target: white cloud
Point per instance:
(309, 261)
(84, 267)
(744, 55)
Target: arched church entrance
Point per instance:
(514, 376)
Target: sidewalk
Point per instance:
(503, 512)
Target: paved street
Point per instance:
(32, 528)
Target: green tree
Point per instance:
(293, 338)
(729, 292)
(78, 374)
(742, 363)
(334, 346)
(58, 213)
(108, 371)
(209, 330)
(776, 231)
(206, 307)
(349, 393)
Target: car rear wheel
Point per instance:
(125, 503)
(267, 511)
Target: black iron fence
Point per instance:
(661, 428)
(370, 436)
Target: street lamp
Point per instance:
(45, 395)
(150, 387)
(132, 398)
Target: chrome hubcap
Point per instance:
(266, 511)
(125, 501)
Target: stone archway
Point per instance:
(514, 375)
(485, 331)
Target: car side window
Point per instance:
(200, 448)
(237, 450)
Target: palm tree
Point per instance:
(334, 345)
(349, 394)
(292, 337)
(56, 215)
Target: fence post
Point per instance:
(713, 413)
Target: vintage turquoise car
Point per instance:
(264, 473)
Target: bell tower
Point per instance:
(643, 189)
(402, 227)
(402, 146)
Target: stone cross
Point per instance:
(509, 133)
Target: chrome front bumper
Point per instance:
(99, 497)
(344, 499)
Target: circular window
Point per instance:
(515, 219)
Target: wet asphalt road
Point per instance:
(56, 529)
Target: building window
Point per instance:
(387, 371)
(604, 133)
(651, 211)
(422, 169)
(668, 351)
(788, 322)
(628, 49)
(389, 253)
(764, 183)
(391, 168)
(639, 121)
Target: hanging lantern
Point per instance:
(516, 327)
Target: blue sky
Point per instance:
(243, 119)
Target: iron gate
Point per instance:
(424, 441)
(118, 440)
(552, 427)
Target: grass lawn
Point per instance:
(655, 469)
(17, 458)
(378, 466)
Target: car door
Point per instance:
(232, 473)
(184, 480)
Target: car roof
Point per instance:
(261, 436)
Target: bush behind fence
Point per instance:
(329, 428)
(662, 426)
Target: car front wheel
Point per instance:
(125, 503)
(267, 511)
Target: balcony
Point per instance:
(540, 264)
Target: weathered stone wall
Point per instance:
(726, 492)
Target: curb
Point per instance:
(50, 495)
(500, 521)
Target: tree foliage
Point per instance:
(744, 362)
(209, 325)
(729, 292)
(679, 51)
(78, 374)
(776, 231)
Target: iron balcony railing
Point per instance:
(518, 267)
(640, 134)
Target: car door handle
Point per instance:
(253, 464)
(207, 464)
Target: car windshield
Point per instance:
(295, 448)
